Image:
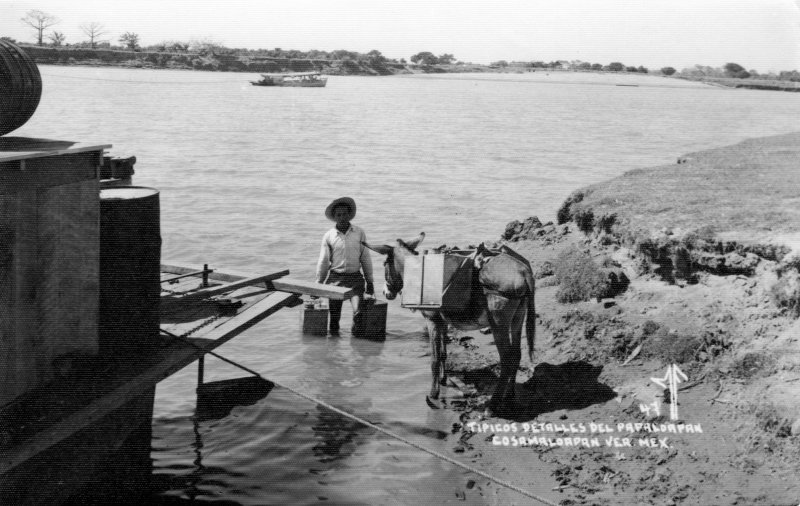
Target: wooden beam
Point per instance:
(313, 288)
(181, 276)
(227, 276)
(46, 171)
(284, 284)
(216, 290)
(174, 361)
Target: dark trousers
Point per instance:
(356, 282)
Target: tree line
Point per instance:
(40, 21)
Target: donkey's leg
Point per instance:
(498, 322)
(514, 352)
(500, 334)
(501, 314)
(435, 338)
(443, 354)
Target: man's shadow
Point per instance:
(571, 385)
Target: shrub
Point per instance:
(585, 220)
(673, 348)
(564, 213)
(769, 420)
(578, 276)
(753, 365)
(786, 292)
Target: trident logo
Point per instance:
(672, 378)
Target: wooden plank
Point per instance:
(184, 319)
(313, 288)
(229, 287)
(69, 239)
(185, 285)
(24, 338)
(284, 284)
(226, 276)
(22, 175)
(173, 362)
(181, 276)
(25, 148)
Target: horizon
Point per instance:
(763, 35)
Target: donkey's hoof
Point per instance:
(433, 403)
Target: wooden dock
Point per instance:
(77, 389)
(104, 400)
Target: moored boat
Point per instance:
(297, 79)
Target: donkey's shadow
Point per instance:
(571, 385)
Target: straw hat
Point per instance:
(343, 200)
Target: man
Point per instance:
(342, 258)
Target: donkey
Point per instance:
(502, 293)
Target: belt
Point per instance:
(346, 273)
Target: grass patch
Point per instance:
(770, 421)
(753, 365)
(786, 292)
(676, 196)
(578, 276)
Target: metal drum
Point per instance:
(20, 87)
(130, 271)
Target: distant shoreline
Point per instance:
(230, 63)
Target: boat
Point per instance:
(298, 79)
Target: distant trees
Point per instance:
(616, 66)
(736, 70)
(205, 45)
(94, 31)
(446, 59)
(39, 21)
(170, 46)
(668, 71)
(57, 38)
(789, 75)
(130, 39)
(342, 54)
(425, 58)
(375, 58)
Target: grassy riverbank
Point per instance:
(708, 246)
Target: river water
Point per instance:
(245, 174)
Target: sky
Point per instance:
(758, 34)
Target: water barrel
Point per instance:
(20, 87)
(130, 272)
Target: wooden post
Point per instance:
(201, 362)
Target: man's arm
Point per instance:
(324, 262)
(366, 265)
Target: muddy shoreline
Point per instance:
(595, 418)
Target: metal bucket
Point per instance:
(130, 271)
(20, 87)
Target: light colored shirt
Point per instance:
(344, 253)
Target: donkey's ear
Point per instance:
(382, 249)
(412, 245)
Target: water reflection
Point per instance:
(335, 383)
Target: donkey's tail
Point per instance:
(530, 319)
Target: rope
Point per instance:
(371, 425)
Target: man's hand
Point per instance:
(370, 289)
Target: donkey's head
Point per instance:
(394, 263)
